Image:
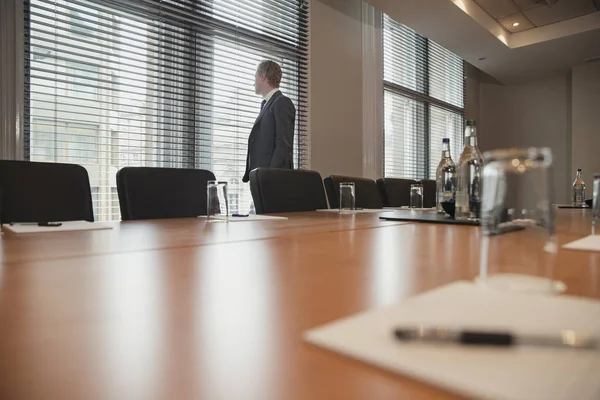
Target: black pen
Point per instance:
(565, 338)
(43, 223)
(239, 215)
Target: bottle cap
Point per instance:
(578, 169)
(445, 140)
(596, 176)
(471, 122)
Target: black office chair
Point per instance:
(151, 193)
(37, 191)
(395, 192)
(366, 191)
(429, 189)
(277, 190)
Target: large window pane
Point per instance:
(166, 83)
(404, 151)
(446, 77)
(423, 102)
(444, 124)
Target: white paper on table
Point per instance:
(590, 243)
(413, 209)
(361, 211)
(250, 217)
(516, 373)
(68, 226)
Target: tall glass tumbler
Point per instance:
(596, 203)
(347, 196)
(518, 248)
(416, 195)
(217, 205)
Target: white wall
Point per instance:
(585, 146)
(336, 87)
(531, 114)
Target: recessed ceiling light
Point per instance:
(515, 24)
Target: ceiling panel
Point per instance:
(527, 4)
(498, 8)
(561, 11)
(524, 24)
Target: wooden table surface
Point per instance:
(183, 309)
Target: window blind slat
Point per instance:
(112, 83)
(423, 102)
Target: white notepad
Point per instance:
(18, 228)
(363, 211)
(414, 209)
(251, 217)
(590, 243)
(516, 373)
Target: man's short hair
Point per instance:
(272, 71)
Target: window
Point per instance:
(424, 88)
(82, 80)
(163, 83)
(74, 142)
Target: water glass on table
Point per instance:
(596, 203)
(347, 196)
(216, 200)
(518, 248)
(416, 195)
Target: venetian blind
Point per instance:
(424, 90)
(165, 83)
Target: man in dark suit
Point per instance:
(271, 140)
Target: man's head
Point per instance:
(267, 77)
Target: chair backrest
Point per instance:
(38, 191)
(429, 189)
(395, 192)
(150, 193)
(367, 194)
(277, 190)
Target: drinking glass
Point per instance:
(347, 196)
(216, 200)
(596, 203)
(518, 248)
(416, 195)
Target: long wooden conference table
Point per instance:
(185, 309)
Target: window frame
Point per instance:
(423, 81)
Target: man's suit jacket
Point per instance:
(271, 140)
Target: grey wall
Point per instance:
(531, 114)
(472, 95)
(561, 112)
(336, 87)
(585, 147)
